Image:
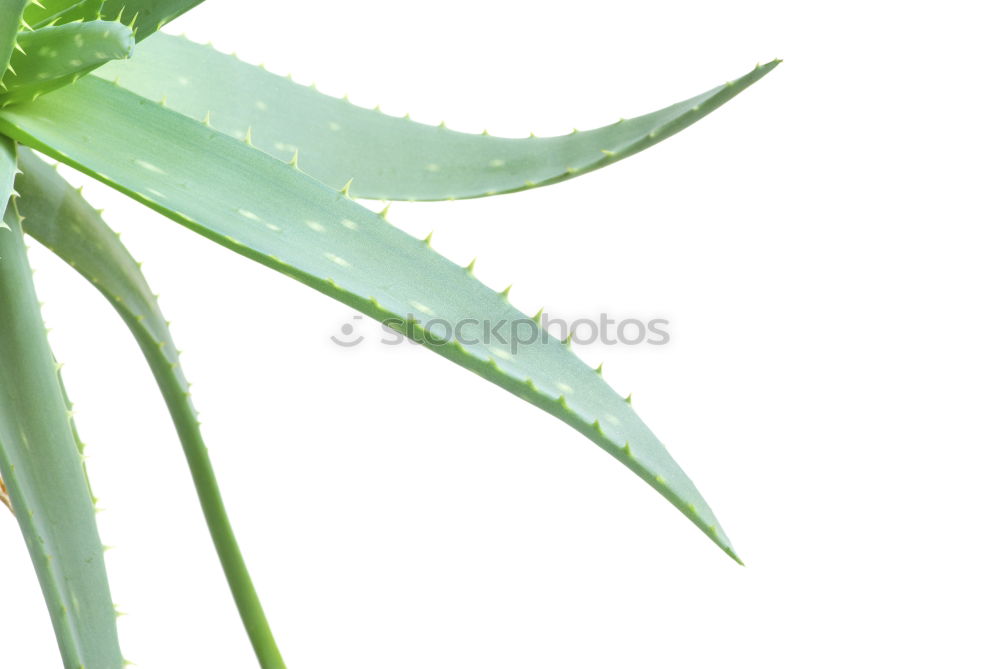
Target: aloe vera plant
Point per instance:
(269, 169)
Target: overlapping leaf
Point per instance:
(55, 56)
(57, 215)
(386, 157)
(276, 215)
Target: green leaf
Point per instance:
(38, 15)
(62, 11)
(146, 16)
(10, 24)
(42, 467)
(57, 215)
(55, 56)
(274, 214)
(8, 169)
(386, 157)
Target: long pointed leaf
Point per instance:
(8, 169)
(57, 215)
(42, 467)
(386, 157)
(274, 214)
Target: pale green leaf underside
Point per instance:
(41, 464)
(57, 55)
(57, 215)
(272, 213)
(387, 157)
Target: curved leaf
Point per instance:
(52, 57)
(57, 215)
(276, 215)
(42, 468)
(385, 157)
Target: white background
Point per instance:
(825, 247)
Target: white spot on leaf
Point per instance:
(149, 166)
(336, 259)
(501, 353)
(422, 308)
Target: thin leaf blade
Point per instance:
(42, 468)
(56, 214)
(274, 214)
(384, 157)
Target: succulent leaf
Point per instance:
(56, 214)
(146, 16)
(10, 23)
(38, 15)
(271, 212)
(8, 170)
(388, 158)
(55, 56)
(41, 465)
